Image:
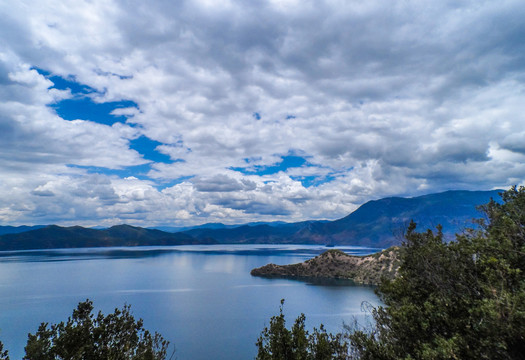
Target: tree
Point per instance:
(117, 336)
(279, 343)
(459, 300)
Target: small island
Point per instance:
(335, 264)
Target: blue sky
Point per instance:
(187, 112)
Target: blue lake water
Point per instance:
(200, 298)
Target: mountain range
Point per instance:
(54, 237)
(18, 229)
(378, 223)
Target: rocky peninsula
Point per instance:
(335, 264)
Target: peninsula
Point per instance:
(335, 264)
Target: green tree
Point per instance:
(459, 300)
(117, 336)
(279, 343)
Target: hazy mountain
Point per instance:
(52, 237)
(378, 223)
(174, 229)
(215, 226)
(264, 233)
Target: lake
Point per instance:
(200, 298)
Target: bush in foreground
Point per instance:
(278, 342)
(117, 336)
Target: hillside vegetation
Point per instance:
(335, 264)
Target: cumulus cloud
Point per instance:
(398, 98)
(222, 183)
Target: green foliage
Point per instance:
(3, 353)
(458, 300)
(279, 343)
(117, 336)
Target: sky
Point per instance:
(187, 112)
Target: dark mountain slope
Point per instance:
(18, 229)
(382, 222)
(54, 237)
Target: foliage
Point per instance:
(279, 343)
(117, 336)
(459, 300)
(3, 353)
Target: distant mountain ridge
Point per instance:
(378, 223)
(381, 223)
(54, 237)
(18, 229)
(216, 226)
(264, 233)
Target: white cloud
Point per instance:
(382, 98)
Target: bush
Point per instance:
(278, 342)
(117, 336)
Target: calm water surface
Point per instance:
(200, 298)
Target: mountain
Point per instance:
(381, 223)
(216, 226)
(174, 229)
(266, 233)
(53, 237)
(378, 223)
(18, 229)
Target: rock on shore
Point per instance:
(335, 264)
